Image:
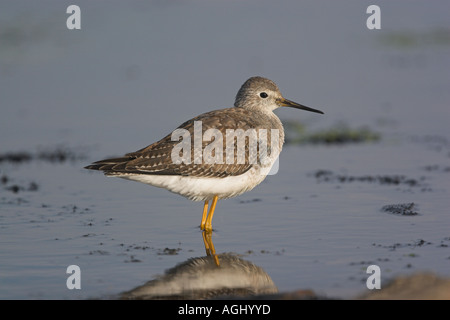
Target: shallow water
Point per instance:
(129, 77)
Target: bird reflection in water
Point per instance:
(209, 247)
(211, 276)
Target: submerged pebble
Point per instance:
(330, 176)
(402, 209)
(58, 154)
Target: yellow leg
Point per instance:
(206, 242)
(208, 225)
(209, 247)
(205, 211)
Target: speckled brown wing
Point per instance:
(155, 159)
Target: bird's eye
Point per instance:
(263, 95)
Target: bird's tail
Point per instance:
(109, 166)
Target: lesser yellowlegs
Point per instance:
(200, 163)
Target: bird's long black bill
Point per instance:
(292, 104)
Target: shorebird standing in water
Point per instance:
(215, 172)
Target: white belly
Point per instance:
(204, 188)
